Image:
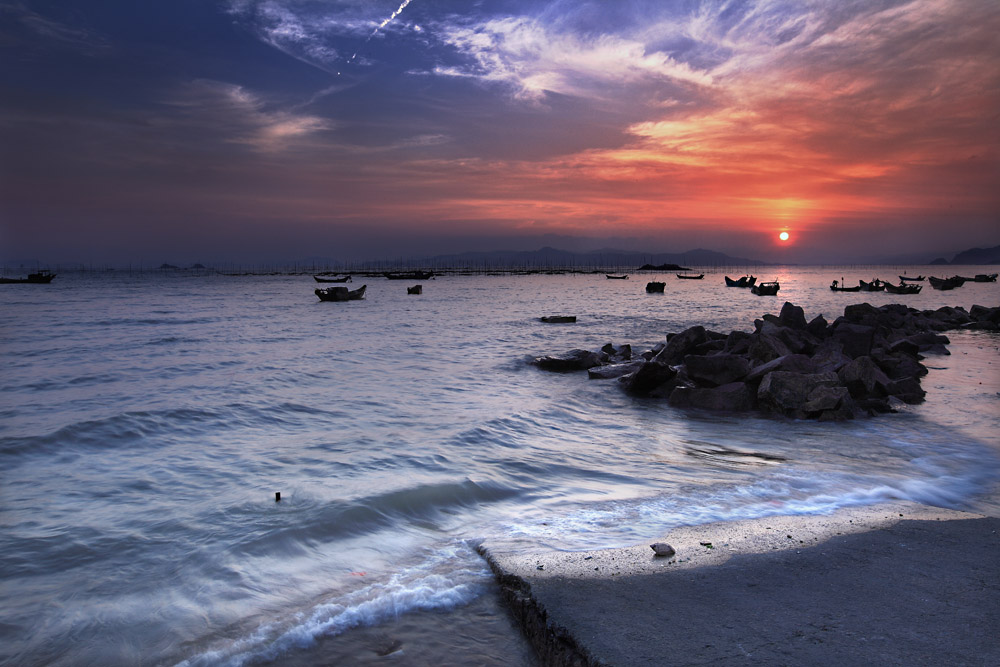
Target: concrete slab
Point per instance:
(898, 583)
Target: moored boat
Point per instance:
(558, 319)
(946, 283)
(610, 277)
(875, 285)
(903, 288)
(340, 293)
(909, 279)
(745, 281)
(766, 289)
(38, 278)
(416, 289)
(837, 287)
(655, 287)
(688, 276)
(985, 278)
(322, 279)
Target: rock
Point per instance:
(611, 371)
(818, 327)
(983, 314)
(764, 348)
(898, 366)
(717, 369)
(732, 397)
(782, 391)
(856, 338)
(905, 346)
(574, 360)
(682, 344)
(617, 354)
(863, 378)
(648, 377)
(795, 363)
(907, 390)
(825, 398)
(829, 356)
(662, 549)
(737, 342)
(792, 316)
(925, 341)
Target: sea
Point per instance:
(149, 418)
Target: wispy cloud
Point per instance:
(236, 115)
(54, 32)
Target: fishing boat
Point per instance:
(745, 281)
(946, 283)
(409, 275)
(342, 279)
(837, 287)
(688, 276)
(875, 285)
(655, 287)
(909, 279)
(610, 277)
(903, 288)
(39, 278)
(416, 289)
(340, 293)
(766, 289)
(558, 319)
(985, 278)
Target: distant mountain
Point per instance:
(978, 256)
(549, 257)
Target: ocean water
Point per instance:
(148, 420)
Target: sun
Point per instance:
(783, 236)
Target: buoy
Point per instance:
(277, 496)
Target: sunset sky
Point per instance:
(267, 130)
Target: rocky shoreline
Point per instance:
(866, 362)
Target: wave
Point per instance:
(446, 579)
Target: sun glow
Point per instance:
(783, 236)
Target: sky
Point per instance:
(271, 130)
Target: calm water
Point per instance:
(147, 422)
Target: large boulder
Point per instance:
(792, 316)
(818, 327)
(823, 398)
(785, 392)
(907, 389)
(682, 344)
(716, 369)
(829, 356)
(574, 360)
(765, 346)
(794, 363)
(611, 371)
(649, 376)
(730, 397)
(856, 339)
(863, 378)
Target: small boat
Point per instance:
(610, 277)
(766, 289)
(914, 280)
(321, 279)
(409, 275)
(946, 283)
(985, 278)
(558, 319)
(745, 281)
(39, 278)
(655, 287)
(903, 288)
(416, 289)
(340, 293)
(836, 287)
(875, 285)
(687, 276)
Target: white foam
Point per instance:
(444, 580)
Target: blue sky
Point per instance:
(278, 129)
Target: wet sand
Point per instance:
(898, 583)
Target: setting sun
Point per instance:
(783, 236)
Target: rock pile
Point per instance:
(864, 363)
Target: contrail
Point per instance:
(384, 24)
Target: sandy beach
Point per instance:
(892, 584)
